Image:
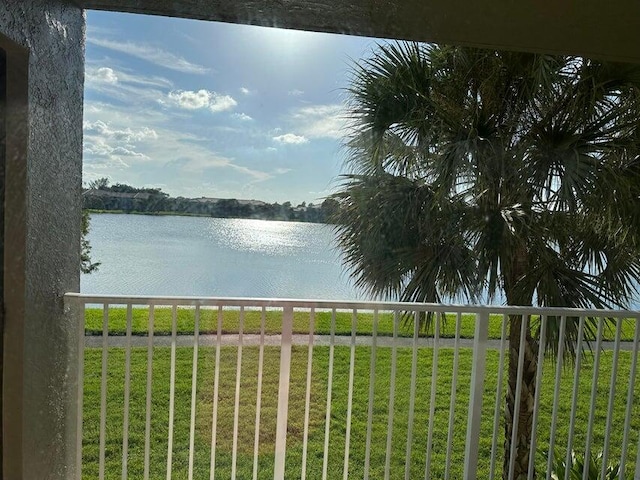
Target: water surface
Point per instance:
(172, 255)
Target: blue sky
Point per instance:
(216, 110)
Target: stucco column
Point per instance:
(44, 45)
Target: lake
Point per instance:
(201, 256)
(218, 257)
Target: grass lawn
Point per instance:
(273, 324)
(205, 372)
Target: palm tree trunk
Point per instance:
(524, 410)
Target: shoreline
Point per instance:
(92, 211)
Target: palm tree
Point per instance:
(476, 173)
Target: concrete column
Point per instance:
(44, 45)
(3, 161)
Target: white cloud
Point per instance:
(110, 148)
(109, 75)
(257, 175)
(99, 148)
(191, 100)
(128, 153)
(131, 142)
(291, 139)
(221, 103)
(144, 81)
(295, 92)
(245, 91)
(93, 30)
(321, 121)
(136, 91)
(198, 160)
(102, 75)
(92, 107)
(128, 135)
(242, 116)
(97, 167)
(150, 54)
(281, 171)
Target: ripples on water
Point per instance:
(167, 255)
(198, 256)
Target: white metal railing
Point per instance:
(368, 427)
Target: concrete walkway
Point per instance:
(93, 341)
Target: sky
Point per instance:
(207, 109)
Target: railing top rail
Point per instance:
(338, 305)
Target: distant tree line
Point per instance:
(120, 197)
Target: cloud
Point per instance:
(291, 139)
(98, 155)
(245, 91)
(257, 175)
(128, 135)
(128, 153)
(99, 148)
(94, 30)
(242, 116)
(321, 121)
(136, 144)
(109, 148)
(199, 160)
(191, 100)
(150, 54)
(281, 171)
(102, 75)
(93, 107)
(144, 81)
(128, 88)
(97, 72)
(295, 92)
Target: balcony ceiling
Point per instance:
(608, 30)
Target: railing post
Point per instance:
(475, 398)
(73, 308)
(283, 394)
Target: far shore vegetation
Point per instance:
(100, 197)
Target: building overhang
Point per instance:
(592, 28)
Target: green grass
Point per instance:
(273, 323)
(205, 376)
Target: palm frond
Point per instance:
(479, 171)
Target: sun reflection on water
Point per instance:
(260, 236)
